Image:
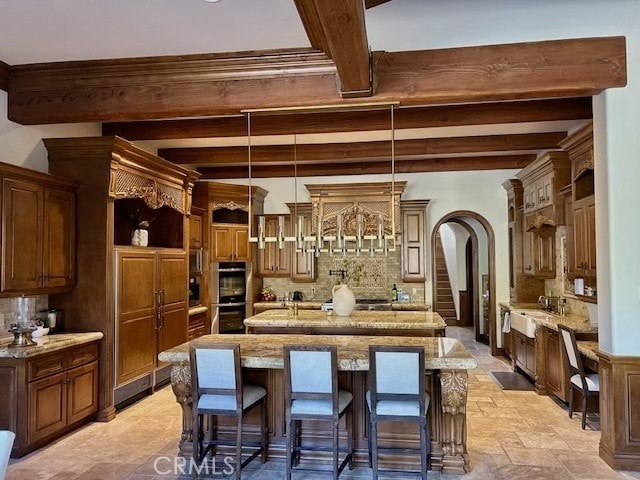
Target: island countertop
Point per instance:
(265, 351)
(361, 322)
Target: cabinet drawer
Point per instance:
(47, 365)
(83, 355)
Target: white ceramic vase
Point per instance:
(344, 301)
(140, 238)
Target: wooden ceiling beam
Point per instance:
(210, 85)
(354, 151)
(491, 162)
(331, 122)
(374, 3)
(338, 27)
(4, 76)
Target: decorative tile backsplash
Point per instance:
(9, 310)
(368, 277)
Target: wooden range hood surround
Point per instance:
(349, 199)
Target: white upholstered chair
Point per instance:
(587, 385)
(397, 394)
(312, 393)
(6, 442)
(218, 390)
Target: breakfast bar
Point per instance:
(446, 364)
(394, 323)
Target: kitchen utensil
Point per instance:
(298, 296)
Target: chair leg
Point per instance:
(263, 414)
(350, 437)
(336, 448)
(584, 410)
(374, 449)
(290, 434)
(428, 426)
(571, 392)
(423, 450)
(195, 433)
(212, 430)
(239, 449)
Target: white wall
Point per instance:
(616, 112)
(483, 269)
(454, 240)
(22, 145)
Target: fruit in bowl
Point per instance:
(267, 295)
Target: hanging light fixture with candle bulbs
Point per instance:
(360, 241)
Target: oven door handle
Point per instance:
(235, 304)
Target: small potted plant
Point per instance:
(140, 237)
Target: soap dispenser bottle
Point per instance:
(394, 293)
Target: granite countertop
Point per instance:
(48, 344)
(517, 306)
(265, 351)
(579, 324)
(197, 309)
(588, 349)
(315, 305)
(357, 319)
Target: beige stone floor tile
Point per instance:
(542, 440)
(525, 472)
(108, 471)
(527, 456)
(587, 467)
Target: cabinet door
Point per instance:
(530, 351)
(174, 315)
(195, 231)
(59, 238)
(303, 265)
(527, 253)
(268, 256)
(590, 235)
(47, 406)
(82, 392)
(222, 243)
(136, 310)
(23, 217)
(545, 261)
(413, 246)
(579, 236)
(241, 251)
(519, 349)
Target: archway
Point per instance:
(465, 218)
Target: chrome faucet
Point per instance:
(549, 303)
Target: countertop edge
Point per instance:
(51, 343)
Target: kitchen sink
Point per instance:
(524, 323)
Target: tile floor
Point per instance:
(511, 435)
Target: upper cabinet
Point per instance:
(38, 230)
(272, 260)
(195, 227)
(542, 181)
(414, 243)
(303, 264)
(581, 248)
(226, 218)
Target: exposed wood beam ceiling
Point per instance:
(374, 3)
(338, 28)
(4, 76)
(371, 151)
(363, 168)
(208, 85)
(330, 122)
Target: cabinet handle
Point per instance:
(158, 310)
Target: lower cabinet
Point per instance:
(196, 326)
(555, 374)
(524, 352)
(49, 394)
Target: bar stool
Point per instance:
(217, 390)
(6, 442)
(397, 394)
(587, 385)
(311, 393)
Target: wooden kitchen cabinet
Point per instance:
(196, 326)
(583, 246)
(38, 221)
(528, 255)
(414, 244)
(273, 261)
(151, 309)
(544, 247)
(48, 395)
(524, 351)
(118, 179)
(555, 369)
(230, 243)
(195, 231)
(303, 264)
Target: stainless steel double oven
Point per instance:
(229, 302)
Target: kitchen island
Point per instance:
(314, 322)
(446, 364)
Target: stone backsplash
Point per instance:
(561, 286)
(9, 310)
(368, 277)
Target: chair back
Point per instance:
(310, 373)
(6, 443)
(215, 370)
(396, 373)
(572, 356)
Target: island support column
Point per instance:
(181, 386)
(455, 386)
